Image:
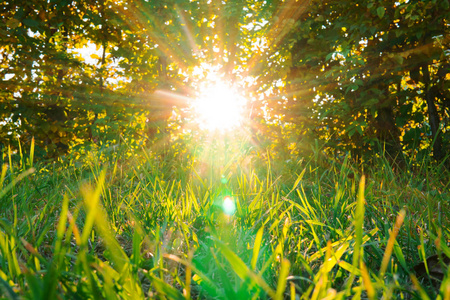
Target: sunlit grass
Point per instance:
(154, 227)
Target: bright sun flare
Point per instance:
(219, 107)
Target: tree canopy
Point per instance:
(356, 75)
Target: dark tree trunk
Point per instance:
(433, 114)
(388, 133)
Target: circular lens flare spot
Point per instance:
(219, 107)
(228, 205)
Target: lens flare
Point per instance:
(228, 205)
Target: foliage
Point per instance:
(369, 72)
(358, 75)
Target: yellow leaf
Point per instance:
(13, 23)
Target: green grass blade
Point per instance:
(350, 268)
(2, 177)
(137, 239)
(166, 289)
(418, 287)
(391, 242)
(31, 153)
(209, 284)
(359, 222)
(21, 176)
(91, 200)
(284, 272)
(8, 290)
(401, 258)
(61, 225)
(256, 247)
(241, 269)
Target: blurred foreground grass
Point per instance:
(223, 222)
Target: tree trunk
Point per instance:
(388, 133)
(433, 114)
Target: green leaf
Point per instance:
(329, 55)
(380, 12)
(371, 102)
(398, 59)
(359, 129)
(31, 23)
(351, 131)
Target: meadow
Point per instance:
(223, 221)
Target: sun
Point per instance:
(219, 107)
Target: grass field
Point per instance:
(221, 222)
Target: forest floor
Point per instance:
(222, 224)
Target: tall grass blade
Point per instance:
(391, 242)
(31, 153)
(109, 276)
(418, 287)
(241, 269)
(51, 277)
(187, 286)
(207, 282)
(401, 258)
(11, 185)
(367, 282)
(2, 178)
(297, 181)
(9, 291)
(284, 272)
(256, 247)
(11, 166)
(292, 290)
(137, 239)
(61, 225)
(166, 289)
(9, 257)
(91, 201)
(359, 222)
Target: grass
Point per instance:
(135, 223)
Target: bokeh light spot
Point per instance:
(223, 180)
(229, 207)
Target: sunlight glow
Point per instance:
(219, 107)
(229, 207)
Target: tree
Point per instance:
(367, 72)
(351, 73)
